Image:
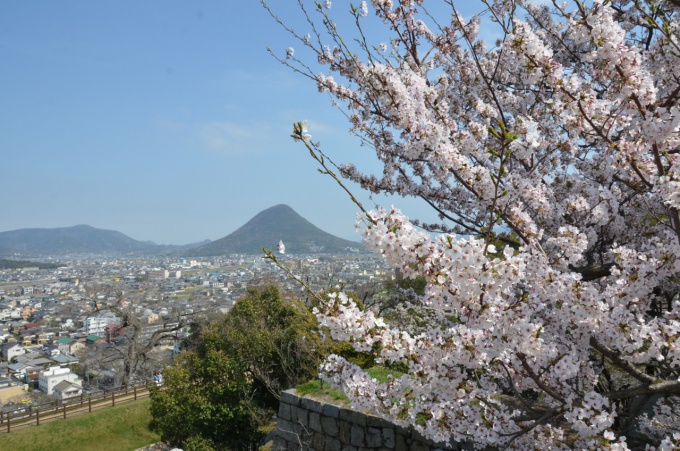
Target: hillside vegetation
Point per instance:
(15, 264)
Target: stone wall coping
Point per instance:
(290, 397)
(322, 424)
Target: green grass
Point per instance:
(382, 374)
(316, 390)
(124, 428)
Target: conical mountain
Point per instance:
(267, 228)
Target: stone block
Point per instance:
(373, 437)
(319, 441)
(284, 425)
(332, 445)
(389, 437)
(417, 445)
(289, 397)
(315, 422)
(287, 431)
(421, 438)
(302, 417)
(345, 432)
(345, 414)
(284, 411)
(401, 443)
(400, 430)
(358, 436)
(377, 422)
(311, 405)
(330, 426)
(330, 410)
(359, 419)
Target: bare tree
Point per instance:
(136, 351)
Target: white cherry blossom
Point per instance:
(552, 159)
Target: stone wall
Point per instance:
(307, 424)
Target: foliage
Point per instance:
(223, 391)
(207, 388)
(18, 264)
(552, 160)
(275, 339)
(198, 444)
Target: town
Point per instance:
(100, 322)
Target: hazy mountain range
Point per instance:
(264, 230)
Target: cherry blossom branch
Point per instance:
(671, 387)
(523, 359)
(299, 134)
(269, 255)
(615, 358)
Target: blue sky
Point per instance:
(165, 120)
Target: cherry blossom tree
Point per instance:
(551, 158)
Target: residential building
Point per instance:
(51, 377)
(64, 359)
(18, 370)
(11, 350)
(96, 325)
(64, 345)
(68, 345)
(66, 389)
(157, 274)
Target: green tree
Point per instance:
(223, 391)
(276, 340)
(202, 403)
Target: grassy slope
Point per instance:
(123, 427)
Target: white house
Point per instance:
(5, 312)
(11, 350)
(51, 377)
(66, 389)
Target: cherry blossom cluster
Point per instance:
(551, 157)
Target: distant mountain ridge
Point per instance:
(79, 239)
(265, 229)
